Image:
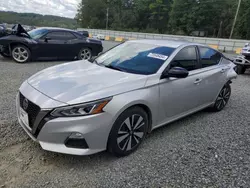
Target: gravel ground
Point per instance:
(203, 150)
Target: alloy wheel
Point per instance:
(131, 132)
(223, 98)
(20, 54)
(85, 54)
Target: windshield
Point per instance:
(37, 33)
(137, 58)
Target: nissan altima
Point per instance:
(113, 101)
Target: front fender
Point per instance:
(148, 97)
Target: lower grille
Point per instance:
(30, 108)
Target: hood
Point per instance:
(18, 30)
(82, 81)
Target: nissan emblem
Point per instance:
(25, 104)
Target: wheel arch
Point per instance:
(132, 105)
(13, 44)
(142, 105)
(149, 113)
(82, 47)
(228, 82)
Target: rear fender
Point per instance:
(231, 74)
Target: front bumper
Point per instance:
(53, 134)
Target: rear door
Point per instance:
(212, 73)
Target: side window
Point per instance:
(55, 35)
(209, 57)
(60, 35)
(186, 58)
(69, 36)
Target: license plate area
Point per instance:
(24, 117)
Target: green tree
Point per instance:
(37, 20)
(215, 17)
(159, 14)
(242, 29)
(92, 13)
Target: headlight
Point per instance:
(95, 107)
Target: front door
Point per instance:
(181, 96)
(53, 45)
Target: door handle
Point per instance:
(197, 81)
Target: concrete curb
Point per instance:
(122, 39)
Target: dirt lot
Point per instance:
(203, 150)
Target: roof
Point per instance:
(56, 28)
(163, 42)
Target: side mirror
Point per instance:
(46, 39)
(175, 72)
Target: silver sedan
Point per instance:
(113, 101)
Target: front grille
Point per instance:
(32, 110)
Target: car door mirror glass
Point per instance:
(176, 72)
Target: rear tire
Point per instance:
(85, 54)
(222, 99)
(240, 69)
(128, 132)
(20, 54)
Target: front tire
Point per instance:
(85, 54)
(223, 98)
(240, 69)
(128, 131)
(20, 54)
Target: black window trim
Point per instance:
(43, 37)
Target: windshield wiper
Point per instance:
(115, 68)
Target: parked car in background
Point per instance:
(84, 33)
(3, 31)
(83, 108)
(243, 60)
(99, 36)
(48, 43)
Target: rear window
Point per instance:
(209, 57)
(84, 33)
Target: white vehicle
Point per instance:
(82, 108)
(99, 36)
(243, 60)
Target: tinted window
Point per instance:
(84, 33)
(137, 58)
(69, 36)
(37, 33)
(61, 35)
(186, 58)
(209, 57)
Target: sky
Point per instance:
(64, 8)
